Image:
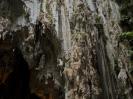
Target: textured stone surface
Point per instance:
(73, 46)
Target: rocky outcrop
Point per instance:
(72, 47)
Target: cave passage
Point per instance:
(15, 77)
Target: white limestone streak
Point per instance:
(33, 8)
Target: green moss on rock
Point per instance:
(126, 36)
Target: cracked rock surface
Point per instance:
(71, 46)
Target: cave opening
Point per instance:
(15, 77)
(14, 73)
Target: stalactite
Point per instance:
(74, 48)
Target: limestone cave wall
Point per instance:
(72, 47)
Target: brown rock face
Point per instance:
(71, 49)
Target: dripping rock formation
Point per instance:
(66, 49)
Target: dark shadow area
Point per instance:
(12, 9)
(14, 74)
(34, 96)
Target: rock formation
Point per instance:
(72, 47)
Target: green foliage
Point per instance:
(98, 19)
(126, 9)
(126, 36)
